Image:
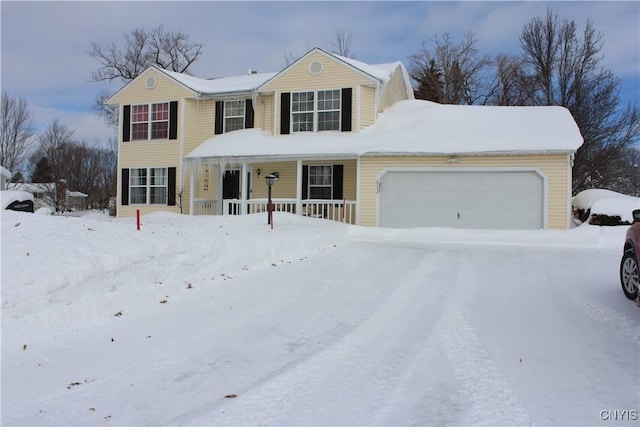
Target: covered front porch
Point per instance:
(318, 187)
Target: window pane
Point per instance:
(160, 130)
(138, 177)
(158, 176)
(302, 101)
(160, 111)
(234, 108)
(329, 121)
(320, 193)
(138, 195)
(302, 122)
(234, 123)
(140, 113)
(158, 196)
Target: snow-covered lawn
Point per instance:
(222, 321)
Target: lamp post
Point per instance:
(270, 179)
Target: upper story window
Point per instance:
(150, 121)
(144, 122)
(234, 115)
(315, 111)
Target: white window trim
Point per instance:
(148, 186)
(225, 117)
(315, 110)
(149, 120)
(309, 185)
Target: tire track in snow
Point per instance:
(619, 323)
(488, 398)
(363, 364)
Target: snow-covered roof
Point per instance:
(9, 196)
(415, 127)
(30, 188)
(35, 188)
(243, 83)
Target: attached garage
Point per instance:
(462, 198)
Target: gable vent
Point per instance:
(315, 67)
(150, 83)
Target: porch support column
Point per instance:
(358, 188)
(243, 188)
(192, 188)
(299, 187)
(219, 199)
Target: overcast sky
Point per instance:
(45, 45)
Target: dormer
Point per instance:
(324, 92)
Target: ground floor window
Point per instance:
(148, 184)
(320, 181)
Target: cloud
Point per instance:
(45, 45)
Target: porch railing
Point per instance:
(334, 210)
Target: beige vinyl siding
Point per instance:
(264, 114)
(334, 75)
(393, 91)
(554, 167)
(166, 89)
(286, 185)
(367, 106)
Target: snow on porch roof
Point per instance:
(415, 127)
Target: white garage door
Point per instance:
(462, 199)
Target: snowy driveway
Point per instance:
(361, 333)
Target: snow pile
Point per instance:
(222, 321)
(9, 196)
(606, 202)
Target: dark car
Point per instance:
(629, 270)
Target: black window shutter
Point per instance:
(219, 116)
(248, 114)
(285, 111)
(305, 182)
(338, 173)
(171, 187)
(173, 120)
(124, 186)
(346, 110)
(126, 123)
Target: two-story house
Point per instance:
(347, 142)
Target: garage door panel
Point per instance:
(462, 199)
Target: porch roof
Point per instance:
(414, 127)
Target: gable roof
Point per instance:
(376, 72)
(415, 127)
(247, 83)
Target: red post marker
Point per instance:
(138, 219)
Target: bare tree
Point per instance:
(169, 50)
(342, 44)
(53, 141)
(564, 67)
(461, 71)
(511, 84)
(16, 133)
(142, 48)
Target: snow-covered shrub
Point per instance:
(604, 207)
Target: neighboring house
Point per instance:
(44, 194)
(347, 141)
(5, 177)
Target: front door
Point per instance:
(231, 187)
